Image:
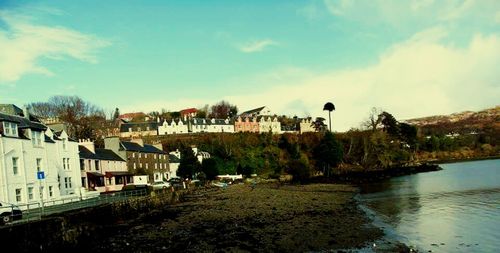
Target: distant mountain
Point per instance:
(462, 121)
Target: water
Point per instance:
(453, 210)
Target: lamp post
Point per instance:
(329, 107)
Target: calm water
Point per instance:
(453, 210)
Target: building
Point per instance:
(174, 159)
(102, 169)
(261, 111)
(142, 159)
(246, 124)
(188, 113)
(199, 125)
(269, 124)
(133, 115)
(173, 127)
(306, 125)
(36, 164)
(138, 129)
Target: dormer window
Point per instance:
(36, 138)
(10, 129)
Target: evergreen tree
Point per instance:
(116, 114)
(328, 153)
(209, 167)
(189, 164)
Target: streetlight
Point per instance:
(329, 107)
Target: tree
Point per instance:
(223, 109)
(329, 107)
(116, 115)
(328, 153)
(189, 164)
(82, 118)
(319, 124)
(374, 119)
(391, 125)
(209, 167)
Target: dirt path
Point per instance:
(239, 219)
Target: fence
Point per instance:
(35, 211)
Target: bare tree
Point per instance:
(223, 109)
(374, 119)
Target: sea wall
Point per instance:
(67, 230)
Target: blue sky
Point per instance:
(411, 58)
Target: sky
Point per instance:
(410, 58)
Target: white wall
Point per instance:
(51, 155)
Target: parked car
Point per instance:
(176, 182)
(160, 185)
(9, 212)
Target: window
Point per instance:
(14, 165)
(130, 129)
(64, 142)
(10, 129)
(82, 164)
(30, 193)
(67, 182)
(67, 164)
(39, 164)
(96, 164)
(147, 128)
(156, 166)
(147, 166)
(134, 166)
(36, 138)
(18, 195)
(133, 155)
(51, 193)
(145, 155)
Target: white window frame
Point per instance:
(19, 195)
(10, 129)
(36, 138)
(15, 165)
(30, 193)
(39, 164)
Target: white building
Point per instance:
(269, 124)
(174, 158)
(28, 150)
(306, 125)
(173, 127)
(200, 125)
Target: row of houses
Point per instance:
(255, 121)
(40, 164)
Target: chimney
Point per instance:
(87, 143)
(26, 113)
(138, 141)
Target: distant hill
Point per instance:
(467, 121)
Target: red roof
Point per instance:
(188, 111)
(131, 115)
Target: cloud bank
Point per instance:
(24, 44)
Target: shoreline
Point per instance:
(449, 160)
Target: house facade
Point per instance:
(261, 111)
(138, 129)
(102, 169)
(142, 159)
(173, 127)
(306, 125)
(269, 124)
(36, 164)
(246, 124)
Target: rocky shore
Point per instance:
(269, 218)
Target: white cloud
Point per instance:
(418, 77)
(401, 13)
(257, 46)
(24, 44)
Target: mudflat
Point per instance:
(267, 218)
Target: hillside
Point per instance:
(467, 121)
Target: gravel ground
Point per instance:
(269, 218)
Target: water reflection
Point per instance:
(457, 209)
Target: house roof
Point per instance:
(187, 111)
(11, 109)
(173, 159)
(132, 146)
(253, 111)
(100, 154)
(135, 125)
(22, 122)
